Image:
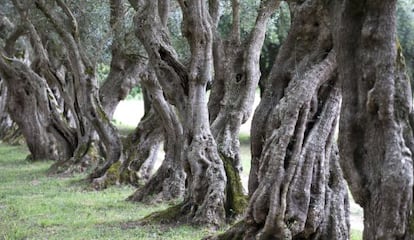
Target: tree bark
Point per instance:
(296, 187)
(185, 89)
(232, 95)
(168, 182)
(30, 100)
(86, 93)
(141, 149)
(29, 106)
(126, 65)
(206, 177)
(376, 140)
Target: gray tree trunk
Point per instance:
(232, 94)
(141, 148)
(168, 182)
(185, 89)
(92, 116)
(126, 65)
(31, 103)
(376, 140)
(296, 186)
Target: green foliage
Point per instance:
(244, 138)
(102, 72)
(94, 30)
(34, 206)
(135, 93)
(178, 41)
(356, 234)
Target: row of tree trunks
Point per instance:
(91, 115)
(296, 187)
(376, 138)
(140, 147)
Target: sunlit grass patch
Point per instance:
(35, 206)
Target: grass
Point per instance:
(34, 206)
(356, 234)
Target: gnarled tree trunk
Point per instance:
(86, 100)
(168, 182)
(141, 148)
(185, 88)
(31, 105)
(30, 101)
(296, 186)
(232, 95)
(376, 139)
(126, 65)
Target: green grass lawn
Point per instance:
(34, 206)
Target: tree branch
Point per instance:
(235, 32)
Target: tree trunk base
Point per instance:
(183, 213)
(12, 135)
(174, 215)
(117, 175)
(86, 158)
(236, 232)
(165, 185)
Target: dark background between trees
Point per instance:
(197, 65)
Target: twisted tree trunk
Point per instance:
(185, 89)
(86, 99)
(126, 65)
(232, 95)
(376, 140)
(296, 186)
(141, 148)
(168, 182)
(30, 101)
